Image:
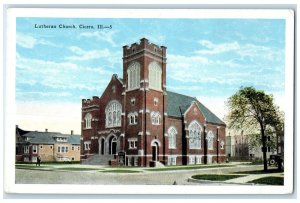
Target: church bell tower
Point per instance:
(144, 102)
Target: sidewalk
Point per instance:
(251, 177)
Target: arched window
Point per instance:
(113, 114)
(210, 140)
(133, 76)
(154, 76)
(88, 120)
(155, 118)
(132, 118)
(172, 132)
(195, 135)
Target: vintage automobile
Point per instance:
(276, 160)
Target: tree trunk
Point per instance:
(264, 148)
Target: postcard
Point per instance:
(149, 101)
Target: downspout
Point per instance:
(184, 141)
(205, 145)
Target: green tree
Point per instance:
(254, 109)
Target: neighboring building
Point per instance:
(50, 146)
(241, 145)
(138, 117)
(238, 146)
(256, 152)
(230, 146)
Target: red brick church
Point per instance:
(137, 122)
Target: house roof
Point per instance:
(74, 139)
(179, 103)
(41, 137)
(49, 137)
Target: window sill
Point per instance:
(159, 90)
(196, 148)
(172, 147)
(87, 128)
(118, 126)
(136, 88)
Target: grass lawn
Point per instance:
(215, 177)
(32, 166)
(78, 169)
(120, 171)
(271, 180)
(170, 168)
(260, 171)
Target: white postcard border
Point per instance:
(10, 108)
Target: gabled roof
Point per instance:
(179, 103)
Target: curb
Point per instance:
(221, 182)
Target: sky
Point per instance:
(206, 58)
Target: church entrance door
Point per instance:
(155, 151)
(113, 145)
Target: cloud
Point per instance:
(29, 42)
(65, 76)
(106, 36)
(241, 50)
(82, 55)
(45, 94)
(229, 65)
(212, 48)
(25, 41)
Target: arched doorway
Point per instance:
(155, 151)
(112, 147)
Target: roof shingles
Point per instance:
(49, 137)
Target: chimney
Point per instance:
(46, 130)
(71, 132)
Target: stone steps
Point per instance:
(97, 159)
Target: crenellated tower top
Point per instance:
(144, 47)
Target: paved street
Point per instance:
(145, 178)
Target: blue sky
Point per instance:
(206, 58)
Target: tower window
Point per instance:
(155, 76)
(133, 76)
(132, 118)
(87, 145)
(155, 118)
(132, 143)
(113, 114)
(88, 120)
